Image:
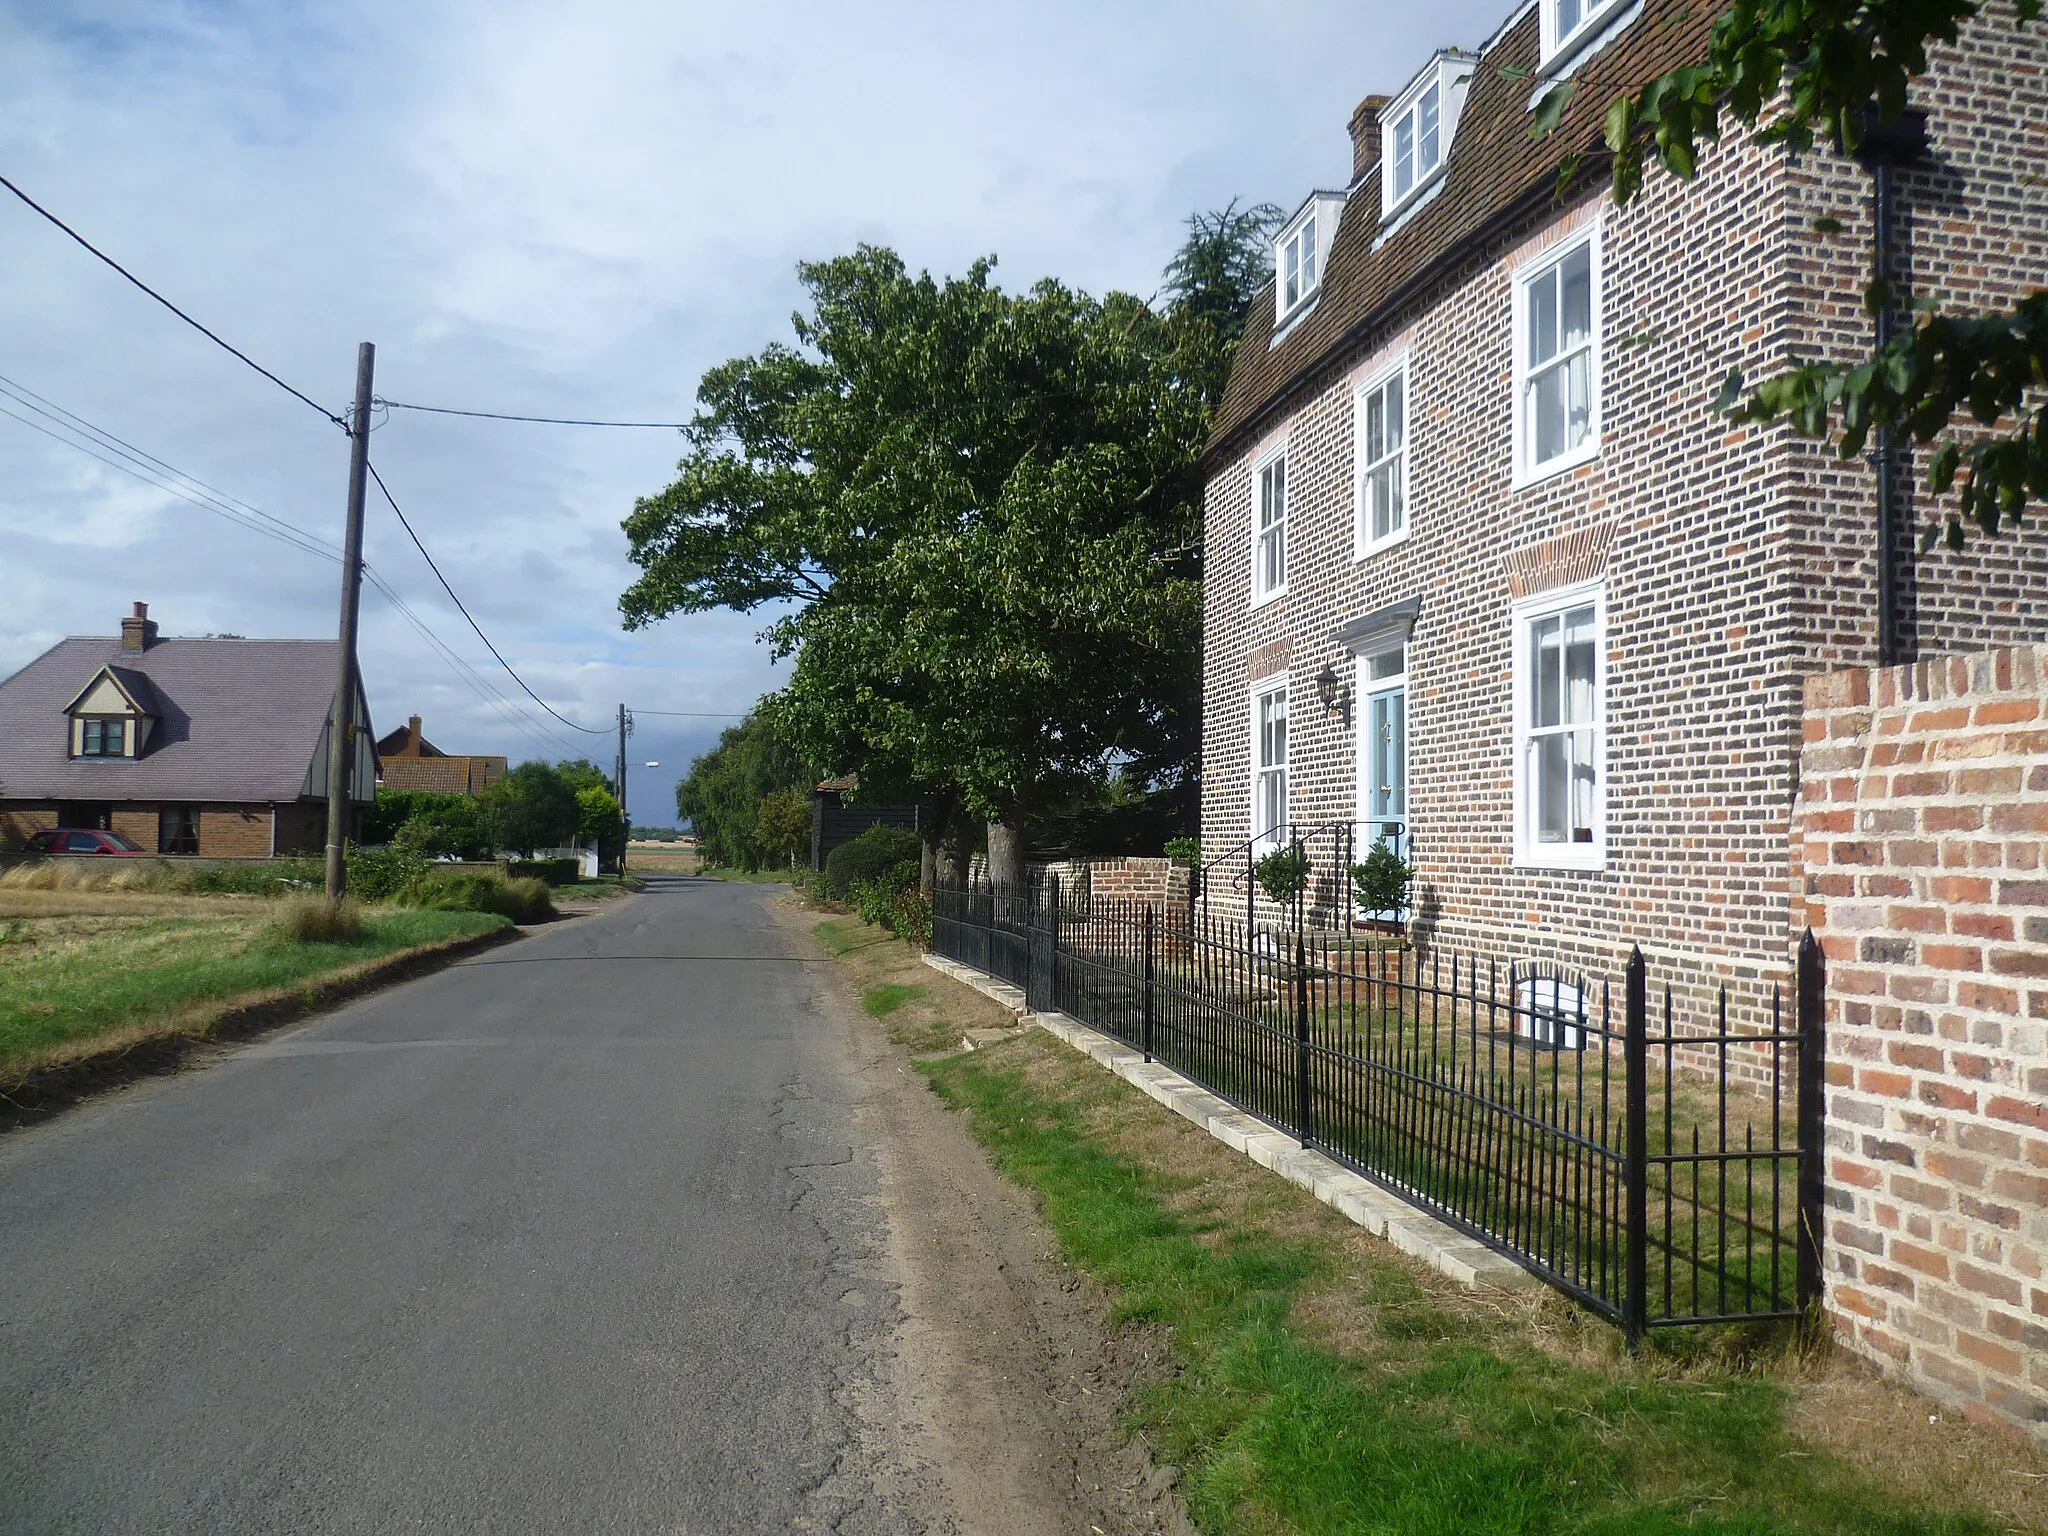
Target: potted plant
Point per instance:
(1283, 874)
(1381, 884)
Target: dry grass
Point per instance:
(83, 875)
(316, 920)
(17, 903)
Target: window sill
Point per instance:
(1287, 322)
(1525, 479)
(1267, 599)
(1419, 197)
(1577, 858)
(1363, 552)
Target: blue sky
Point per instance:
(556, 210)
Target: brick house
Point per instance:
(1484, 571)
(213, 747)
(407, 760)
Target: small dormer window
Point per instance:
(1417, 144)
(1418, 128)
(1569, 25)
(103, 738)
(1301, 253)
(1298, 266)
(112, 715)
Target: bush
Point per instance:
(276, 877)
(1185, 850)
(547, 871)
(523, 900)
(893, 901)
(875, 899)
(441, 823)
(316, 920)
(911, 918)
(378, 874)
(868, 857)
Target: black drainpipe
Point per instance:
(1885, 147)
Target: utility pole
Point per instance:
(341, 718)
(625, 816)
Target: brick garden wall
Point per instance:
(1923, 864)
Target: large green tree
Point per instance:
(980, 515)
(1792, 70)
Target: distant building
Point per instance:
(407, 760)
(833, 822)
(216, 747)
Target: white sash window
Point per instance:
(1560, 683)
(1269, 530)
(1269, 762)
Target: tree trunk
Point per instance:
(936, 819)
(949, 865)
(1006, 849)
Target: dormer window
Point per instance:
(103, 738)
(113, 715)
(1569, 25)
(1418, 146)
(1298, 266)
(1302, 252)
(1416, 130)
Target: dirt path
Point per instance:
(1001, 1377)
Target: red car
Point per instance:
(82, 840)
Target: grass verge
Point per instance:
(71, 979)
(1329, 1385)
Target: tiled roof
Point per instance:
(442, 774)
(1495, 174)
(237, 720)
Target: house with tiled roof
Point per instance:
(1487, 577)
(212, 747)
(407, 760)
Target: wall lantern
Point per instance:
(1335, 697)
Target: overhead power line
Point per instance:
(695, 714)
(464, 611)
(68, 428)
(548, 421)
(167, 304)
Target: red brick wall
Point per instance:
(1161, 882)
(1923, 860)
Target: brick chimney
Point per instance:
(1365, 135)
(412, 741)
(138, 631)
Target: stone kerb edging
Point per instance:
(1387, 1216)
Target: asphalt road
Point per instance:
(578, 1235)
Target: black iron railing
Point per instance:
(1663, 1170)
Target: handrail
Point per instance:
(1292, 836)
